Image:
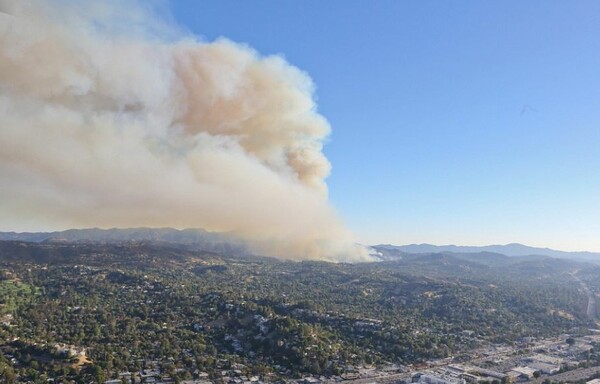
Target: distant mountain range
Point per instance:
(171, 235)
(226, 243)
(192, 238)
(512, 250)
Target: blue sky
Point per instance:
(465, 122)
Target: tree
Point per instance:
(97, 373)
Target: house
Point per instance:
(546, 368)
(431, 379)
(310, 380)
(489, 373)
(524, 373)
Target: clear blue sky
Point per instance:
(466, 122)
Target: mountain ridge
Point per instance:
(199, 239)
(109, 234)
(511, 250)
(220, 241)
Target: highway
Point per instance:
(591, 306)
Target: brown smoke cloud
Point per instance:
(112, 117)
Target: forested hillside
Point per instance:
(131, 305)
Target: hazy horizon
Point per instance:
(364, 244)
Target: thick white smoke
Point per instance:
(111, 117)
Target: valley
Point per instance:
(182, 313)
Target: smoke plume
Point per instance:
(110, 116)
